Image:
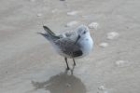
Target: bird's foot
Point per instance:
(67, 68)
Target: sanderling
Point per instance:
(75, 44)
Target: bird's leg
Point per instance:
(74, 62)
(67, 63)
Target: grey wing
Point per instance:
(69, 47)
(69, 34)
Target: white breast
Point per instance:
(86, 45)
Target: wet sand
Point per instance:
(28, 64)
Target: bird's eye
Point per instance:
(84, 32)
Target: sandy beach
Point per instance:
(28, 63)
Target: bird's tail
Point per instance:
(49, 34)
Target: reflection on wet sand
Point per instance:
(61, 83)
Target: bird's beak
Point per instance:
(77, 38)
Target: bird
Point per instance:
(73, 44)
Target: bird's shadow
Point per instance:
(61, 83)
